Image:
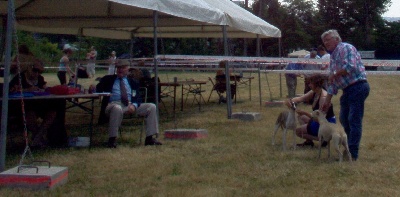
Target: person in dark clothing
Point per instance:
(51, 130)
(220, 79)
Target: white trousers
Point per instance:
(90, 69)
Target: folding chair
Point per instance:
(214, 88)
(151, 96)
(195, 90)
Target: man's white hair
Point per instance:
(334, 33)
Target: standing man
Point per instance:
(125, 99)
(347, 72)
(291, 78)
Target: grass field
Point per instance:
(237, 158)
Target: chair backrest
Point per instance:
(143, 93)
(135, 74)
(212, 81)
(151, 92)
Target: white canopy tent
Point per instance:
(124, 19)
(299, 53)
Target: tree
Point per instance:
(303, 12)
(366, 16)
(388, 41)
(272, 12)
(41, 47)
(354, 19)
(295, 19)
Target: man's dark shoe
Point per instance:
(112, 142)
(151, 141)
(306, 143)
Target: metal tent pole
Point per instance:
(280, 74)
(79, 57)
(258, 48)
(155, 23)
(258, 55)
(131, 42)
(4, 112)
(259, 84)
(280, 47)
(227, 75)
(2, 36)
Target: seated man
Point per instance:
(125, 100)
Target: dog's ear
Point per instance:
(317, 112)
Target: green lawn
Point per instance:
(236, 159)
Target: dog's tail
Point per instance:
(281, 120)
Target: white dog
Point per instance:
(329, 131)
(286, 120)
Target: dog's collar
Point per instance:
(293, 104)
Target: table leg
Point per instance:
(174, 111)
(201, 96)
(182, 99)
(236, 87)
(250, 89)
(91, 123)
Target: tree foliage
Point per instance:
(388, 41)
(356, 20)
(41, 47)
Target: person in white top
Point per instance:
(112, 59)
(322, 53)
(91, 57)
(313, 55)
(325, 56)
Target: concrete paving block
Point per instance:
(185, 133)
(36, 177)
(246, 116)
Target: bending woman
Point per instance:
(308, 128)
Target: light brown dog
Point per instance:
(286, 120)
(329, 131)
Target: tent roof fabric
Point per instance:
(300, 53)
(124, 19)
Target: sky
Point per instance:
(393, 10)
